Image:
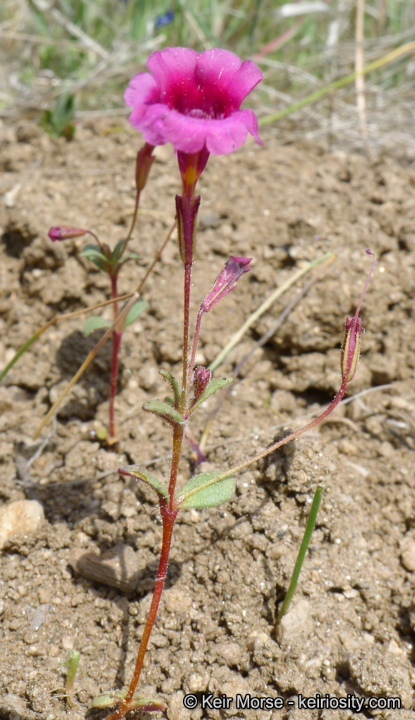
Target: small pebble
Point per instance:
(296, 624)
(177, 601)
(20, 518)
(119, 567)
(408, 553)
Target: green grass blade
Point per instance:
(403, 50)
(301, 554)
(20, 352)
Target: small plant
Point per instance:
(111, 262)
(58, 122)
(193, 101)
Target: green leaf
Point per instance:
(174, 384)
(211, 496)
(94, 254)
(115, 255)
(63, 112)
(135, 311)
(113, 696)
(146, 477)
(95, 323)
(213, 387)
(165, 411)
(131, 256)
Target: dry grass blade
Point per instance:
(360, 78)
(87, 361)
(264, 307)
(264, 339)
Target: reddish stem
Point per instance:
(168, 523)
(168, 512)
(116, 341)
(187, 286)
(168, 518)
(194, 348)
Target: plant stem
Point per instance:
(194, 348)
(116, 341)
(275, 446)
(168, 523)
(123, 314)
(168, 513)
(168, 518)
(186, 322)
(302, 552)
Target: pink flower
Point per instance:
(193, 100)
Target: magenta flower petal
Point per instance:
(193, 100)
(225, 136)
(215, 71)
(172, 68)
(187, 134)
(244, 81)
(141, 89)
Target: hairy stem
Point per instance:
(116, 340)
(186, 323)
(168, 524)
(194, 348)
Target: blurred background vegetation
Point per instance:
(81, 53)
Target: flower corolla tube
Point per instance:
(193, 100)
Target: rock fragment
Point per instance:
(118, 568)
(20, 518)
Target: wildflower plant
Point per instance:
(193, 101)
(111, 262)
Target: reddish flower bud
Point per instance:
(226, 281)
(350, 351)
(64, 233)
(143, 165)
(201, 380)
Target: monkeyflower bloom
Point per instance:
(193, 101)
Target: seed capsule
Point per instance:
(350, 352)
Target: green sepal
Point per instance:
(146, 477)
(165, 411)
(94, 254)
(213, 387)
(112, 697)
(95, 323)
(211, 496)
(135, 311)
(174, 384)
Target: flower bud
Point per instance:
(64, 233)
(350, 351)
(143, 165)
(226, 281)
(201, 380)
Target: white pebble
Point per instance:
(20, 518)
